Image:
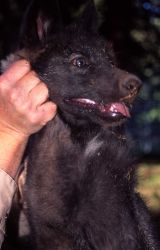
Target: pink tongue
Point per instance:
(116, 108)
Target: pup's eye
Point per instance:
(79, 61)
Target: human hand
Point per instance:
(24, 108)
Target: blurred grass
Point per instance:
(149, 185)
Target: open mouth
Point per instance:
(114, 111)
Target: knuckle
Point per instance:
(32, 76)
(33, 118)
(4, 80)
(4, 89)
(19, 102)
(13, 96)
(16, 98)
(44, 89)
(23, 107)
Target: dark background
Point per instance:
(133, 27)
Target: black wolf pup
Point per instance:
(80, 185)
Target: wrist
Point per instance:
(13, 135)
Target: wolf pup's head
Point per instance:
(78, 66)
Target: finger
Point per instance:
(15, 72)
(22, 88)
(39, 94)
(18, 94)
(27, 83)
(47, 111)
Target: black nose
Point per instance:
(129, 84)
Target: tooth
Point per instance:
(88, 101)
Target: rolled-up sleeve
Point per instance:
(7, 191)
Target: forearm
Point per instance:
(12, 147)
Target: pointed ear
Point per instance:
(41, 18)
(89, 18)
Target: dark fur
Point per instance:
(80, 187)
